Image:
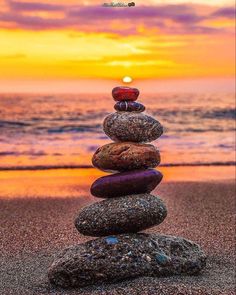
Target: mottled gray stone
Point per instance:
(115, 258)
(126, 214)
(135, 127)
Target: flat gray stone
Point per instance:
(135, 127)
(128, 214)
(116, 258)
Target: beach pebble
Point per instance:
(132, 126)
(123, 156)
(131, 213)
(129, 106)
(116, 258)
(126, 183)
(125, 93)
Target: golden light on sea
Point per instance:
(127, 79)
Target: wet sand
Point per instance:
(34, 228)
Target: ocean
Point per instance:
(45, 131)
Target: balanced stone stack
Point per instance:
(121, 252)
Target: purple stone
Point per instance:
(125, 183)
(129, 106)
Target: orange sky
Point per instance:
(44, 41)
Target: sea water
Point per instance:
(40, 131)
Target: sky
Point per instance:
(47, 43)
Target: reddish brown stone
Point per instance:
(124, 156)
(129, 106)
(125, 93)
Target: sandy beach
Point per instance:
(35, 227)
(88, 88)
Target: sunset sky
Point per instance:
(49, 42)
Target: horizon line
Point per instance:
(83, 85)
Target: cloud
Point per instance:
(169, 19)
(178, 13)
(228, 12)
(33, 22)
(34, 6)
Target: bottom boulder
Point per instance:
(116, 258)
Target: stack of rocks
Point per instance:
(121, 252)
(129, 207)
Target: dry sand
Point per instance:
(34, 229)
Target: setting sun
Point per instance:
(127, 79)
(183, 44)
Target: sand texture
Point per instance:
(34, 229)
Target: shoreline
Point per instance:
(64, 183)
(59, 167)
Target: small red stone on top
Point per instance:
(125, 93)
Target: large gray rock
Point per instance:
(136, 127)
(115, 258)
(126, 214)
